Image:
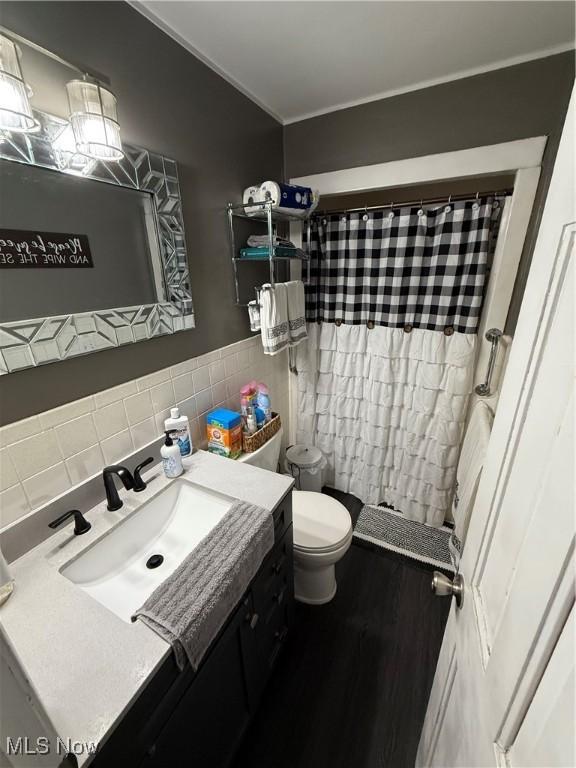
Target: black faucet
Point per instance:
(81, 525)
(114, 501)
(139, 484)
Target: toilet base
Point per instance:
(315, 586)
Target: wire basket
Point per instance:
(251, 443)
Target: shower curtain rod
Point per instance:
(418, 201)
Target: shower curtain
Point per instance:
(393, 306)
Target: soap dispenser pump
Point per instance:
(171, 458)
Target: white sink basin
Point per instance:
(171, 524)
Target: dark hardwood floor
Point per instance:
(351, 688)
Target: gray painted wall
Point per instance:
(171, 103)
(513, 103)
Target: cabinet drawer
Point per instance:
(282, 517)
(276, 570)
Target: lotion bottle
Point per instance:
(179, 427)
(171, 458)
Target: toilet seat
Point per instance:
(320, 523)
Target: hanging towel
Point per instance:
(190, 607)
(470, 465)
(274, 318)
(296, 312)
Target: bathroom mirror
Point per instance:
(92, 254)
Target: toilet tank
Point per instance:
(267, 456)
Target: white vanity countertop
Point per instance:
(87, 665)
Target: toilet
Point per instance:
(322, 530)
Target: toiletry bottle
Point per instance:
(263, 401)
(171, 458)
(251, 425)
(179, 427)
(247, 396)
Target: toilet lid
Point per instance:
(319, 521)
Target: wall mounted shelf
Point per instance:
(266, 215)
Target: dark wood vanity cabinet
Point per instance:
(197, 719)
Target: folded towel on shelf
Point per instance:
(255, 240)
(191, 606)
(274, 318)
(296, 312)
(263, 252)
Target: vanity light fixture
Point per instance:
(15, 110)
(66, 153)
(94, 120)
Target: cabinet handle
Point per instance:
(277, 567)
(252, 619)
(280, 635)
(279, 596)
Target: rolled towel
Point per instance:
(274, 318)
(263, 240)
(296, 312)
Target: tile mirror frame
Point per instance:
(33, 342)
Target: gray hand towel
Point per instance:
(190, 607)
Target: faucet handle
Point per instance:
(81, 525)
(139, 484)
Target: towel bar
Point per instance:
(493, 336)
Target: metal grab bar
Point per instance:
(493, 336)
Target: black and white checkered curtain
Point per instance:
(405, 267)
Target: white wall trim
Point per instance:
(477, 161)
(423, 84)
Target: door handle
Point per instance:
(443, 586)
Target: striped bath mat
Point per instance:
(391, 530)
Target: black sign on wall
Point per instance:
(23, 248)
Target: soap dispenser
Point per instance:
(171, 457)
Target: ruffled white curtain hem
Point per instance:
(387, 409)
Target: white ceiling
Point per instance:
(298, 59)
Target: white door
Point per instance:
(503, 693)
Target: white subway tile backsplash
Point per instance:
(143, 433)
(219, 393)
(231, 364)
(204, 401)
(34, 454)
(114, 394)
(13, 433)
(44, 486)
(162, 396)
(49, 453)
(138, 407)
(8, 476)
(117, 447)
(159, 419)
(13, 504)
(188, 408)
(67, 412)
(153, 379)
(201, 378)
(185, 367)
(85, 464)
(217, 371)
(76, 435)
(208, 358)
(110, 420)
(183, 387)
